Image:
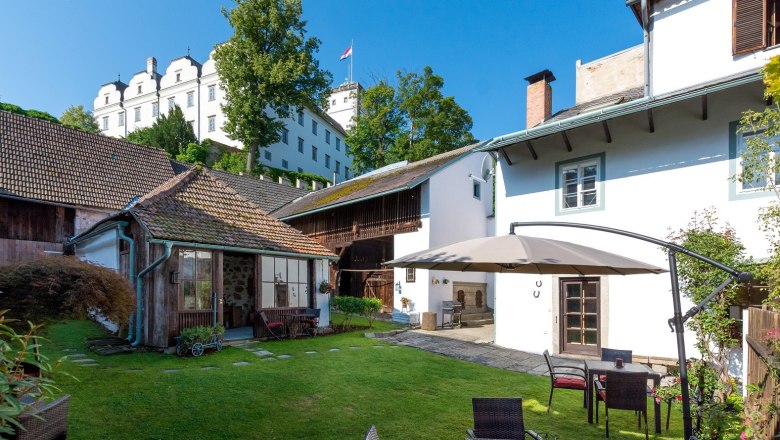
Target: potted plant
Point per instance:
(405, 301)
(197, 339)
(324, 286)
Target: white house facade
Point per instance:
(312, 141)
(643, 159)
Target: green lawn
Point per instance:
(405, 392)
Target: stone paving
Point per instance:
(475, 347)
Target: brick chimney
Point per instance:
(538, 105)
(151, 66)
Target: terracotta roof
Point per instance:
(266, 194)
(372, 184)
(198, 207)
(44, 161)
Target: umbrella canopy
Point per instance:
(522, 254)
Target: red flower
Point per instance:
(679, 398)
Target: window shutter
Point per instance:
(749, 28)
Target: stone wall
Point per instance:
(237, 275)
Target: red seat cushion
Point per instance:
(569, 382)
(602, 377)
(311, 321)
(602, 394)
(275, 324)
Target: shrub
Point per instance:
(17, 354)
(202, 333)
(57, 288)
(371, 306)
(350, 306)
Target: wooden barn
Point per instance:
(56, 181)
(199, 253)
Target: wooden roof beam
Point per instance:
(506, 156)
(566, 141)
(650, 121)
(531, 150)
(606, 131)
(704, 107)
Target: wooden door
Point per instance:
(579, 318)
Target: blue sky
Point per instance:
(54, 53)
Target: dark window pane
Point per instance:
(204, 265)
(573, 291)
(573, 321)
(591, 337)
(591, 322)
(204, 294)
(281, 295)
(188, 264)
(187, 294)
(591, 306)
(573, 337)
(573, 305)
(570, 201)
(589, 198)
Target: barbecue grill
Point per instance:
(453, 310)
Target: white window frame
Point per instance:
(105, 122)
(137, 112)
(267, 155)
(300, 145)
(338, 144)
(584, 186)
(140, 88)
(155, 109)
(212, 92)
(121, 119)
(171, 103)
(314, 127)
(476, 190)
(773, 156)
(285, 164)
(190, 99)
(327, 161)
(327, 136)
(212, 123)
(285, 136)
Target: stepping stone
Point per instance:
(268, 359)
(262, 353)
(334, 349)
(311, 352)
(355, 348)
(133, 370)
(208, 368)
(76, 355)
(68, 350)
(284, 356)
(393, 346)
(240, 364)
(88, 365)
(170, 371)
(379, 346)
(81, 361)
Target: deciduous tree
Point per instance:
(170, 132)
(267, 69)
(412, 121)
(76, 117)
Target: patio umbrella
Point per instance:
(522, 254)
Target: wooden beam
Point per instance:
(704, 107)
(531, 149)
(506, 156)
(566, 141)
(650, 121)
(606, 131)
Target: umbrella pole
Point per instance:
(679, 329)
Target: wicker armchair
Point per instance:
(566, 377)
(626, 391)
(45, 422)
(371, 434)
(497, 417)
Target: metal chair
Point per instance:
(45, 422)
(566, 377)
(499, 417)
(271, 325)
(626, 391)
(314, 322)
(371, 434)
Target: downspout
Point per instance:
(131, 266)
(139, 291)
(646, 42)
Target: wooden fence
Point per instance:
(195, 318)
(761, 362)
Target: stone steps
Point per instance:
(476, 319)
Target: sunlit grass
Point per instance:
(405, 392)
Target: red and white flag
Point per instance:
(347, 53)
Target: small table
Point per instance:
(593, 369)
(294, 323)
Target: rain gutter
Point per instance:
(131, 269)
(638, 105)
(139, 291)
(239, 249)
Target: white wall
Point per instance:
(654, 183)
(191, 80)
(691, 44)
(450, 213)
(102, 250)
(322, 273)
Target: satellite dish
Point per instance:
(488, 167)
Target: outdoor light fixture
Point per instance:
(174, 277)
(398, 287)
(434, 280)
(445, 281)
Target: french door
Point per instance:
(580, 329)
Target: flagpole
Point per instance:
(351, 57)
